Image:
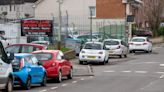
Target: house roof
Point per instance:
(7, 2)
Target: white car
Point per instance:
(93, 52)
(4, 41)
(116, 47)
(140, 44)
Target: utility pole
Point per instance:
(59, 31)
(91, 24)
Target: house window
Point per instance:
(92, 11)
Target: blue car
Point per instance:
(27, 71)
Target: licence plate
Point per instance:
(138, 44)
(91, 57)
(110, 51)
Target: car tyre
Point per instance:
(80, 62)
(27, 86)
(125, 55)
(44, 82)
(103, 63)
(70, 75)
(120, 56)
(9, 86)
(59, 78)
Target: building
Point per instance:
(16, 9)
(107, 15)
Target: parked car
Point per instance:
(140, 44)
(146, 33)
(27, 71)
(56, 65)
(6, 77)
(93, 52)
(24, 48)
(4, 41)
(88, 38)
(41, 42)
(116, 47)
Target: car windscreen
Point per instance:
(138, 40)
(43, 56)
(111, 42)
(93, 46)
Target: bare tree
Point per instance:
(151, 11)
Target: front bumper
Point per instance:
(3, 82)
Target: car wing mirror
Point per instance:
(11, 56)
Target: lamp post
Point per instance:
(59, 31)
(91, 24)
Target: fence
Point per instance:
(74, 25)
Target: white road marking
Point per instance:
(109, 71)
(140, 71)
(82, 79)
(162, 65)
(151, 62)
(126, 71)
(54, 87)
(43, 91)
(91, 76)
(74, 82)
(162, 76)
(64, 85)
(160, 72)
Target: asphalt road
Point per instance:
(139, 72)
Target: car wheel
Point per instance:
(59, 78)
(70, 75)
(44, 82)
(103, 63)
(147, 51)
(27, 86)
(107, 60)
(130, 51)
(9, 86)
(80, 62)
(120, 56)
(125, 55)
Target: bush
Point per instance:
(161, 31)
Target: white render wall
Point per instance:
(19, 12)
(49, 8)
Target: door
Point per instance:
(62, 63)
(38, 70)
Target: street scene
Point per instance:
(81, 46)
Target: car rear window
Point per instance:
(138, 40)
(93, 46)
(43, 56)
(111, 43)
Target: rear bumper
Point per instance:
(52, 72)
(99, 58)
(115, 52)
(138, 48)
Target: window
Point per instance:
(13, 49)
(43, 56)
(34, 60)
(59, 57)
(27, 49)
(92, 11)
(93, 46)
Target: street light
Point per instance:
(59, 31)
(91, 23)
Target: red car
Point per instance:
(24, 48)
(55, 64)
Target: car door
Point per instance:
(39, 72)
(62, 63)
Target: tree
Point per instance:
(152, 13)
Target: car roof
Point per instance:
(113, 39)
(22, 55)
(140, 37)
(93, 42)
(46, 51)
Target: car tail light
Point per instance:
(82, 51)
(119, 47)
(21, 63)
(144, 43)
(101, 52)
(53, 64)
